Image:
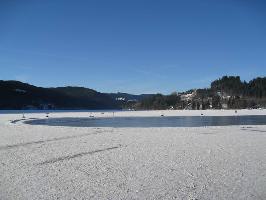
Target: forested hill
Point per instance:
(228, 92)
(232, 85)
(18, 95)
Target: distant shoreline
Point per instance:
(139, 113)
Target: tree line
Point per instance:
(228, 92)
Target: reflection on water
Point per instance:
(188, 121)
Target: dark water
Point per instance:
(194, 121)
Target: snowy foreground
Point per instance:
(42, 162)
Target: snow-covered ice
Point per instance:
(44, 162)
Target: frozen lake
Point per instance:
(59, 160)
(169, 121)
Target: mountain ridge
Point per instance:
(228, 92)
(19, 95)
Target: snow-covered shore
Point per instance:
(43, 162)
(137, 113)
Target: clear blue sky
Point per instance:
(133, 46)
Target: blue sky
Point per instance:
(133, 46)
